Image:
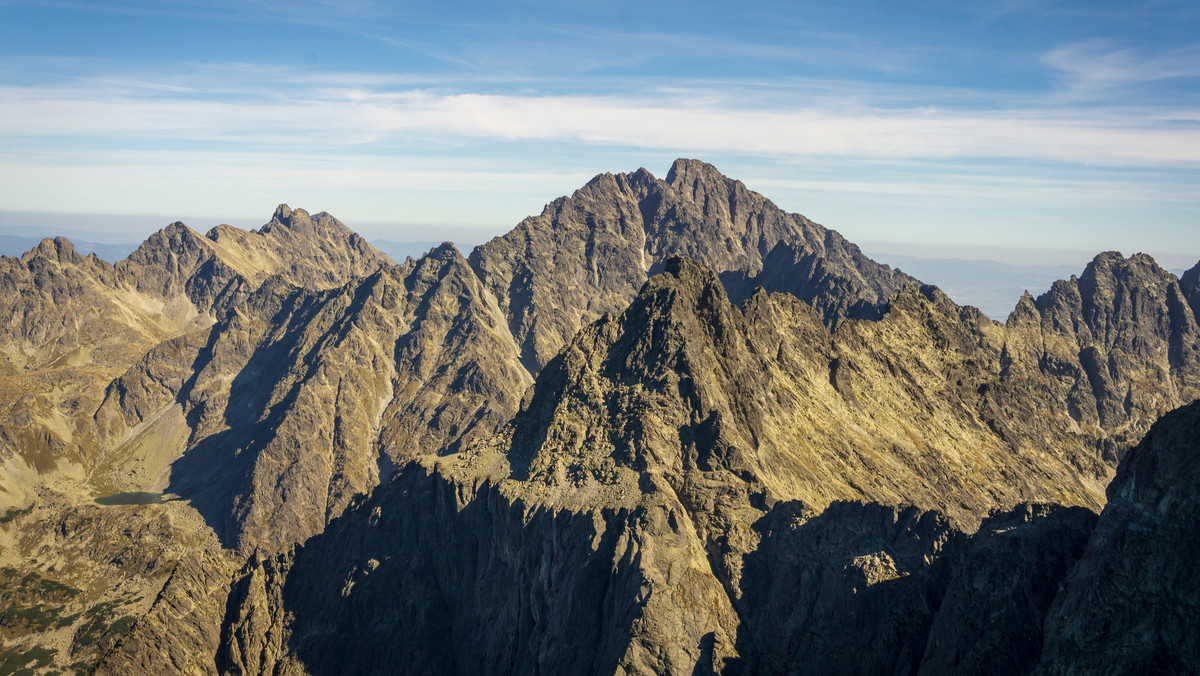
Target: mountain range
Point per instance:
(662, 427)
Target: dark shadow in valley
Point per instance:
(850, 591)
(872, 589)
(420, 578)
(216, 472)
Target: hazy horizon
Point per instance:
(990, 278)
(1048, 126)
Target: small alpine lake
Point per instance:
(130, 498)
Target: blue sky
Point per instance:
(1024, 131)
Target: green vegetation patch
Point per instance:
(122, 625)
(33, 586)
(16, 662)
(99, 628)
(30, 603)
(13, 513)
(26, 619)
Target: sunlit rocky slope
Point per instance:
(662, 427)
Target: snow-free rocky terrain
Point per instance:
(662, 427)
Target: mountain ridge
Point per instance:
(661, 427)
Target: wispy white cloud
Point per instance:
(685, 120)
(1094, 67)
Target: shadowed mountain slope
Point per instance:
(1190, 284)
(1132, 603)
(299, 400)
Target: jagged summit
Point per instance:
(588, 254)
(445, 250)
(684, 384)
(56, 248)
(308, 398)
(685, 170)
(81, 322)
(300, 222)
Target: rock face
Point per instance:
(1131, 604)
(181, 630)
(1000, 585)
(432, 575)
(1116, 348)
(299, 400)
(587, 254)
(500, 587)
(832, 276)
(71, 323)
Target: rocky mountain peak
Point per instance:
(1111, 267)
(685, 171)
(665, 337)
(588, 254)
(163, 265)
(446, 251)
(1099, 337)
(1113, 288)
(58, 249)
(690, 273)
(176, 237)
(1025, 314)
(642, 178)
(288, 220)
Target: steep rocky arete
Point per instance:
(296, 401)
